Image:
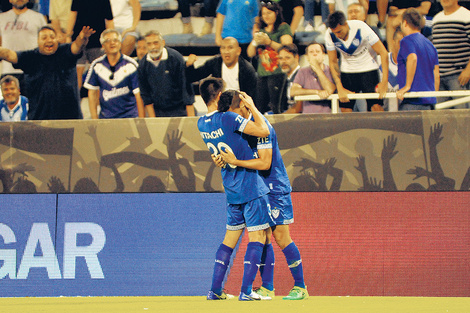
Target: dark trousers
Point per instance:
(361, 82)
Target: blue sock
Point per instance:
(222, 261)
(292, 254)
(267, 267)
(250, 268)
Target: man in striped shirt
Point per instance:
(451, 37)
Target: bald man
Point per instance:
(237, 72)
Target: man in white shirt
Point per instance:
(358, 46)
(19, 29)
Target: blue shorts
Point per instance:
(282, 211)
(254, 215)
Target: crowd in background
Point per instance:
(95, 44)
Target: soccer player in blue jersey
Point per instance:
(112, 82)
(247, 201)
(272, 170)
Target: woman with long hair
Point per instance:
(272, 35)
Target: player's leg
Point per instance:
(282, 211)
(257, 220)
(235, 226)
(267, 268)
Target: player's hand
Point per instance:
(218, 161)
(228, 157)
(247, 100)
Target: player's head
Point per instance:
(47, 40)
(10, 89)
(229, 99)
(210, 89)
(338, 24)
(413, 20)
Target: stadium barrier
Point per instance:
(465, 94)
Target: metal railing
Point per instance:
(464, 94)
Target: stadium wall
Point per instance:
(358, 244)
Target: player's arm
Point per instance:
(258, 128)
(262, 163)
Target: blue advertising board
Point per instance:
(111, 244)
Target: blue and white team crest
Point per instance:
(275, 213)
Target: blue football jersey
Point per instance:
(276, 177)
(223, 131)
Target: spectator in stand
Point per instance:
(140, 48)
(209, 14)
(289, 63)
(273, 34)
(309, 15)
(356, 11)
(418, 66)
(94, 13)
(396, 10)
(392, 104)
(162, 80)
(292, 12)
(359, 46)
(451, 37)
(112, 81)
(13, 106)
(342, 5)
(235, 18)
(237, 73)
(51, 75)
(19, 29)
(59, 11)
(314, 79)
(126, 17)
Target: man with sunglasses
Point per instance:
(112, 82)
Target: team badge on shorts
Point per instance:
(275, 213)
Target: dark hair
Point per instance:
(322, 46)
(271, 6)
(336, 18)
(10, 79)
(413, 18)
(210, 87)
(291, 48)
(47, 27)
(229, 99)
